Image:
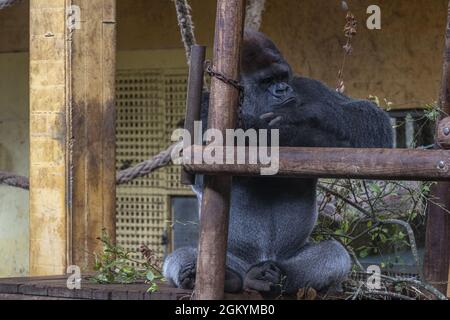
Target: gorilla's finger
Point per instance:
(267, 116)
(258, 285)
(272, 276)
(275, 121)
(272, 279)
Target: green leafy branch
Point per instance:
(115, 265)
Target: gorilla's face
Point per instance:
(266, 78)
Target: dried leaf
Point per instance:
(348, 48)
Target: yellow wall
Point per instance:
(402, 62)
(14, 155)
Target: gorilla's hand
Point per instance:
(307, 125)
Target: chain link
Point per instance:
(234, 83)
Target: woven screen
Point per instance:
(150, 105)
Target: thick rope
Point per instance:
(13, 180)
(186, 26)
(254, 12)
(144, 168)
(140, 170)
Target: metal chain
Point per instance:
(234, 83)
(212, 73)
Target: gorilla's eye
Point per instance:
(267, 80)
(283, 76)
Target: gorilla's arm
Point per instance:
(325, 118)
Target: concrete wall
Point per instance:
(14, 155)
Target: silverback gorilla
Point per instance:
(271, 218)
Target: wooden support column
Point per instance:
(222, 115)
(48, 140)
(437, 247)
(93, 128)
(72, 128)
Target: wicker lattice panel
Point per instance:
(175, 97)
(150, 105)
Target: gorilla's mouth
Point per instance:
(288, 102)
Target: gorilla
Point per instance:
(271, 219)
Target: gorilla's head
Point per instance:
(266, 77)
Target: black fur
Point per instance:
(271, 219)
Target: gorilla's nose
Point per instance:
(281, 88)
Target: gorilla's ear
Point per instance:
(258, 52)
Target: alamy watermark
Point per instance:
(235, 147)
(374, 20)
(74, 279)
(73, 17)
(374, 279)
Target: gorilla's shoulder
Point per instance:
(310, 90)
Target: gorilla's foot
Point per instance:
(186, 277)
(233, 281)
(266, 278)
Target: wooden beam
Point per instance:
(380, 164)
(93, 129)
(222, 115)
(437, 242)
(72, 128)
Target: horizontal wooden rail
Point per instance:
(383, 164)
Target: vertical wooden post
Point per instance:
(222, 115)
(48, 140)
(93, 128)
(437, 251)
(72, 128)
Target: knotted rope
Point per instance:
(186, 26)
(14, 180)
(144, 168)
